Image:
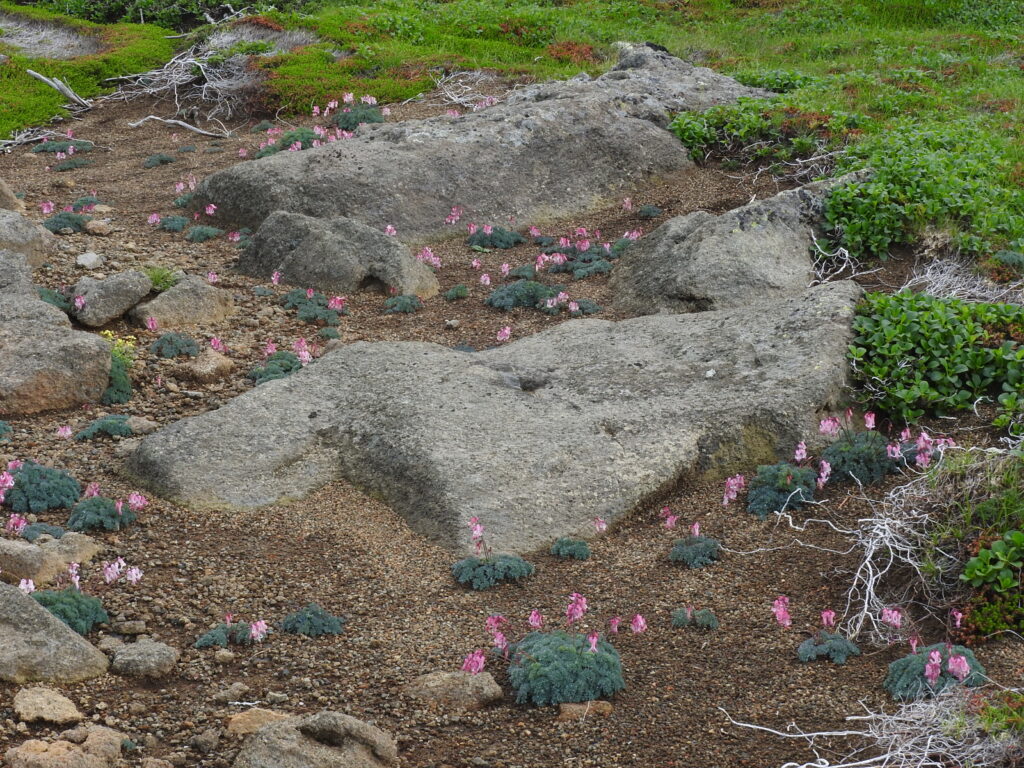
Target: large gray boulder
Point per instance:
(189, 302)
(339, 255)
(108, 299)
(553, 152)
(24, 236)
(700, 261)
(37, 646)
(537, 437)
(323, 740)
(44, 363)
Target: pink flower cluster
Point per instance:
(733, 485)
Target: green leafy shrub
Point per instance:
(63, 146)
(78, 611)
(277, 366)
(485, 572)
(35, 530)
(38, 489)
(59, 300)
(906, 678)
(696, 551)
(162, 278)
(66, 220)
(830, 645)
(567, 548)
(553, 667)
(497, 238)
(779, 487)
(312, 621)
(119, 388)
(158, 159)
(998, 565)
(223, 635)
(406, 303)
(778, 80)
(456, 292)
(173, 224)
(700, 619)
(350, 118)
(649, 212)
(860, 456)
(72, 163)
(97, 513)
(990, 612)
(937, 355)
(113, 425)
(521, 293)
(174, 344)
(201, 233)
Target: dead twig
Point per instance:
(224, 134)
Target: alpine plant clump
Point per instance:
(486, 570)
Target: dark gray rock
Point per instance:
(323, 740)
(700, 261)
(108, 299)
(337, 255)
(36, 646)
(612, 413)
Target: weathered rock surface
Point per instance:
(39, 647)
(459, 690)
(208, 366)
(250, 721)
(191, 301)
(562, 149)
(592, 416)
(701, 261)
(44, 561)
(145, 658)
(8, 200)
(24, 236)
(44, 363)
(108, 299)
(91, 747)
(90, 260)
(45, 704)
(584, 709)
(323, 740)
(339, 255)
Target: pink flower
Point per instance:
(536, 620)
(869, 420)
(258, 631)
(957, 617)
(276, 278)
(337, 303)
(638, 625)
(92, 489)
(79, 303)
(368, 100)
(112, 571)
(923, 459)
(828, 618)
(269, 348)
(613, 624)
(581, 232)
(474, 662)
(154, 218)
(310, 293)
(475, 263)
(574, 307)
(229, 618)
(801, 451)
(46, 207)
(133, 575)
(234, 237)
(212, 277)
(210, 209)
(13, 465)
(893, 617)
(504, 333)
(914, 642)
(454, 216)
(64, 432)
(829, 426)
(316, 111)
(27, 586)
(600, 525)
(733, 485)
(505, 269)
(137, 502)
(695, 529)
(73, 575)
(302, 351)
(151, 323)
(119, 507)
(495, 622)
(488, 229)
(892, 450)
(670, 521)
(179, 187)
(217, 345)
(452, 112)
(471, 228)
(781, 610)
(824, 472)
(534, 231)
(243, 152)
(390, 231)
(576, 609)
(15, 524)
(348, 98)
(592, 639)
(958, 666)
(933, 669)
(627, 204)
(499, 640)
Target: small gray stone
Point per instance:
(459, 690)
(45, 704)
(145, 658)
(207, 741)
(90, 260)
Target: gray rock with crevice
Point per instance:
(322, 740)
(111, 297)
(537, 437)
(189, 302)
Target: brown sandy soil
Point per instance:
(354, 556)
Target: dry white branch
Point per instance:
(182, 123)
(955, 278)
(833, 265)
(62, 88)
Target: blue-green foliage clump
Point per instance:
(702, 618)
(594, 260)
(277, 366)
(404, 304)
(72, 163)
(223, 635)
(649, 212)
(328, 333)
(312, 309)
(906, 678)
(174, 344)
(85, 202)
(78, 611)
(523, 272)
(779, 487)
(56, 298)
(35, 530)
(201, 233)
(459, 291)
(696, 551)
(183, 201)
(312, 621)
(113, 425)
(97, 513)
(63, 146)
(566, 548)
(261, 127)
(350, 118)
(829, 645)
(485, 572)
(5, 431)
(553, 667)
(38, 489)
(860, 456)
(119, 388)
(173, 223)
(303, 136)
(498, 238)
(1011, 259)
(66, 220)
(521, 293)
(158, 159)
